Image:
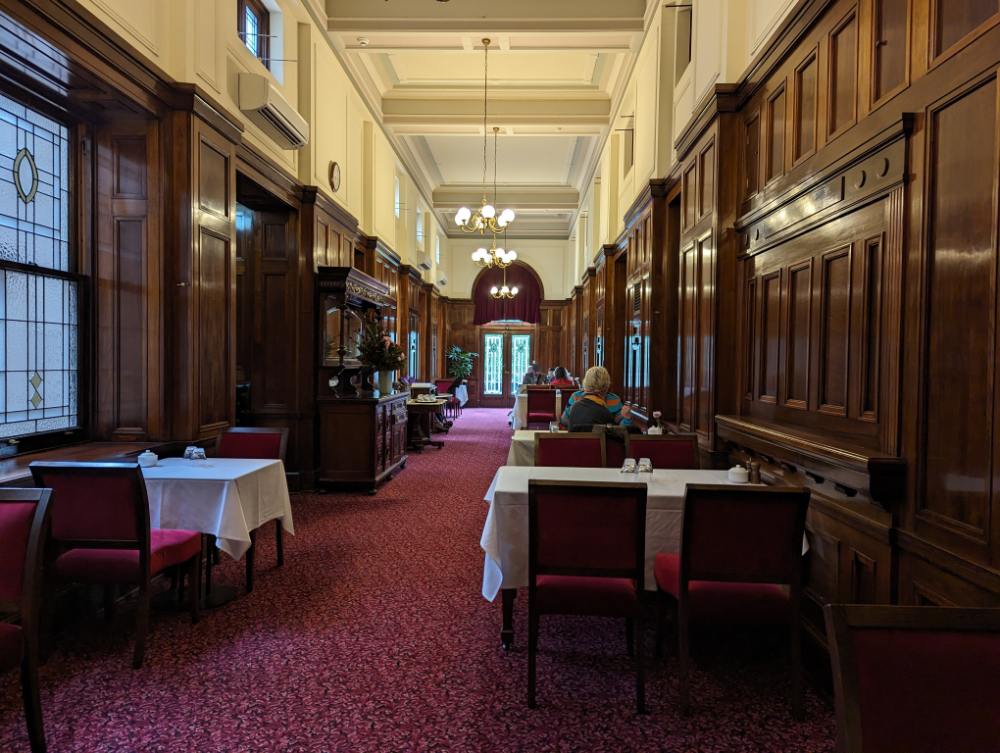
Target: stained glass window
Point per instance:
(520, 357)
(493, 365)
(38, 310)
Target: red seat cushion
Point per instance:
(167, 547)
(15, 529)
(568, 594)
(11, 646)
(724, 602)
(532, 417)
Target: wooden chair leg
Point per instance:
(280, 533)
(251, 556)
(640, 663)
(32, 700)
(682, 656)
(629, 636)
(532, 650)
(798, 691)
(141, 626)
(194, 578)
(109, 602)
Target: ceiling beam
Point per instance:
(454, 112)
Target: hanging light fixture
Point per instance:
(495, 256)
(486, 217)
(503, 292)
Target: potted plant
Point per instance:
(459, 361)
(377, 352)
(656, 427)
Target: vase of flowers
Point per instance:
(378, 352)
(656, 427)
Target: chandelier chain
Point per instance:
(486, 80)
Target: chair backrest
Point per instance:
(24, 520)
(541, 400)
(254, 442)
(750, 534)
(443, 386)
(666, 451)
(918, 679)
(96, 505)
(570, 450)
(540, 387)
(586, 529)
(615, 451)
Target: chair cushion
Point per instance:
(15, 529)
(167, 547)
(541, 417)
(568, 594)
(11, 646)
(724, 602)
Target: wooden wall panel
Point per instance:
(835, 331)
(798, 339)
(961, 289)
(890, 47)
(843, 77)
(129, 378)
(776, 134)
(806, 106)
(770, 337)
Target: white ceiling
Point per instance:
(557, 68)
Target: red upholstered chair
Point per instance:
(737, 544)
(24, 523)
(454, 406)
(256, 443)
(570, 450)
(666, 451)
(615, 451)
(541, 406)
(100, 523)
(915, 679)
(586, 556)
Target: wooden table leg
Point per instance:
(507, 631)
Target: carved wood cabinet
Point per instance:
(362, 440)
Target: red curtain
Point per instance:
(525, 306)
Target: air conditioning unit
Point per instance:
(425, 260)
(262, 101)
(443, 281)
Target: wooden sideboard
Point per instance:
(362, 440)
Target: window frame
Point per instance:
(263, 29)
(78, 204)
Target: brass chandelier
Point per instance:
(486, 217)
(495, 256)
(503, 292)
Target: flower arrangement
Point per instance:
(657, 415)
(376, 350)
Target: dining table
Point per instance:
(504, 539)
(225, 498)
(522, 447)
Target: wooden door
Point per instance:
(507, 354)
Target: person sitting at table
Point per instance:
(595, 404)
(561, 378)
(534, 376)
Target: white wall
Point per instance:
(547, 257)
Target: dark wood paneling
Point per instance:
(835, 331)
(806, 106)
(953, 20)
(751, 157)
(215, 381)
(776, 117)
(961, 289)
(770, 337)
(843, 77)
(798, 340)
(129, 400)
(890, 47)
(706, 331)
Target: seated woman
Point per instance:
(561, 378)
(594, 404)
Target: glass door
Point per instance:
(506, 358)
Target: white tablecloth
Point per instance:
(462, 393)
(519, 418)
(522, 448)
(505, 535)
(226, 497)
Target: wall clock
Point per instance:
(334, 176)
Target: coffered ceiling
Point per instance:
(557, 69)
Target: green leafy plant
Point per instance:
(459, 361)
(376, 350)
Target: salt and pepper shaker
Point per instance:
(754, 467)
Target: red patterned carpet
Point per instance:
(374, 637)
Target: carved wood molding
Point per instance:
(849, 468)
(865, 175)
(961, 567)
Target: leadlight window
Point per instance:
(520, 346)
(38, 293)
(493, 365)
(254, 22)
